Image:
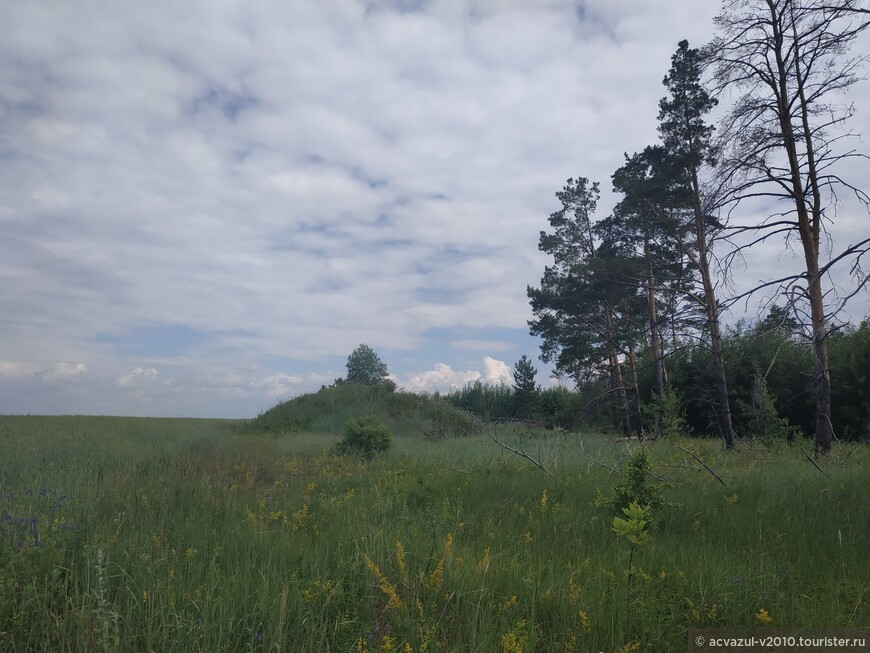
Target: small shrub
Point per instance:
(763, 419)
(666, 412)
(365, 436)
(635, 488)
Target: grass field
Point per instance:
(133, 534)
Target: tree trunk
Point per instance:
(616, 369)
(654, 334)
(632, 367)
(809, 228)
(712, 309)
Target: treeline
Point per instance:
(632, 307)
(772, 389)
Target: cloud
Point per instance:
(276, 385)
(61, 372)
(206, 188)
(444, 378)
(13, 370)
(136, 376)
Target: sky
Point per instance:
(207, 205)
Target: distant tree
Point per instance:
(526, 391)
(365, 366)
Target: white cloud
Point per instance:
(296, 179)
(443, 377)
(137, 375)
(496, 371)
(13, 370)
(62, 371)
(276, 385)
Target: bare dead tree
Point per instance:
(788, 63)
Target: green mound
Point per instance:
(403, 413)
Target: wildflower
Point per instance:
(763, 616)
(511, 602)
(259, 637)
(584, 621)
(448, 546)
(543, 502)
(387, 643)
(483, 565)
(145, 596)
(436, 578)
(631, 647)
(386, 586)
(732, 499)
(190, 552)
(514, 640)
(400, 556)
(527, 536)
(573, 590)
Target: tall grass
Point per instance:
(181, 535)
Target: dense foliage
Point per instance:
(364, 366)
(770, 372)
(365, 436)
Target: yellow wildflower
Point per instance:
(400, 556)
(763, 616)
(483, 565)
(436, 578)
(514, 641)
(386, 586)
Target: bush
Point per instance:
(365, 436)
(635, 488)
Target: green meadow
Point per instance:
(141, 534)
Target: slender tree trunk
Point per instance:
(654, 334)
(616, 368)
(632, 367)
(712, 308)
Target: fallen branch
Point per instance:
(595, 460)
(815, 464)
(715, 475)
(520, 452)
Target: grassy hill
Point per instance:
(404, 413)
